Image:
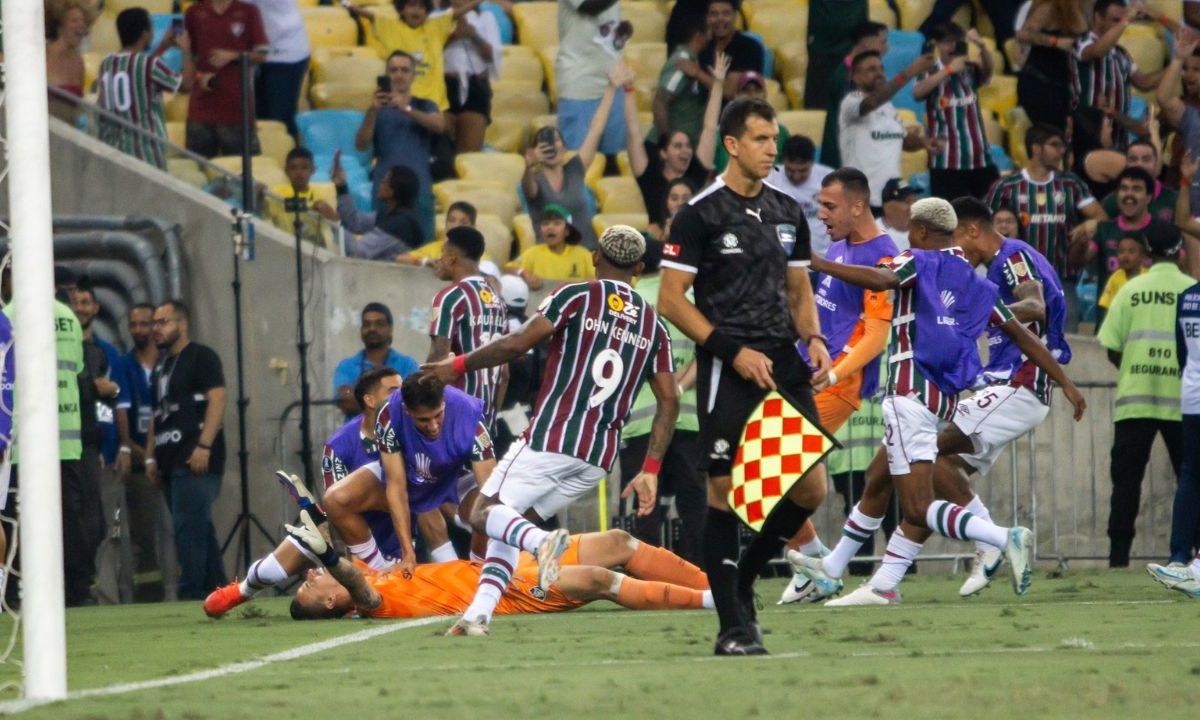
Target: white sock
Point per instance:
(858, 529)
(507, 525)
(476, 558)
(814, 548)
(443, 553)
(708, 601)
(265, 572)
(979, 510)
(369, 553)
(494, 578)
(954, 521)
(897, 559)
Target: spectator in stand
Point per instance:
(1182, 113)
(680, 192)
(833, 27)
(1144, 154)
(279, 79)
(744, 52)
(591, 37)
(552, 179)
(684, 14)
(1045, 88)
(390, 232)
(1131, 257)
(1005, 222)
(376, 334)
(400, 127)
(188, 445)
(299, 168)
(1048, 203)
(1094, 244)
(800, 176)
(898, 197)
(459, 214)
(1139, 334)
(867, 36)
(1001, 13)
(131, 83)
(559, 257)
(655, 166)
(472, 63)
(220, 31)
(678, 102)
(1190, 257)
(149, 516)
(1106, 72)
(751, 85)
(962, 164)
(422, 37)
(869, 129)
(67, 24)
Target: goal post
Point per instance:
(32, 242)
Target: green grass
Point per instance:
(1091, 644)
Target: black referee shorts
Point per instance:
(727, 400)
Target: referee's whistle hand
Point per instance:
(755, 367)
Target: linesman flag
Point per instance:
(779, 445)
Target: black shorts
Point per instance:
(478, 99)
(726, 402)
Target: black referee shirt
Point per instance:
(740, 249)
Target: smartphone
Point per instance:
(383, 84)
(927, 48)
(177, 27)
(960, 48)
(545, 136)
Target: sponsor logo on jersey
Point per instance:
(729, 244)
(423, 469)
(948, 299)
(621, 309)
(787, 237)
(537, 592)
(720, 449)
(486, 296)
(671, 250)
(756, 214)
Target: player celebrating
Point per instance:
(857, 322)
(604, 339)
(941, 308)
(745, 247)
(467, 315)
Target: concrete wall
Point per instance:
(1070, 461)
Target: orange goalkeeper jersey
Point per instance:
(448, 589)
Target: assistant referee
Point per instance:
(744, 248)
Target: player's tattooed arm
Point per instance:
(497, 352)
(1037, 353)
(1030, 305)
(361, 592)
(868, 278)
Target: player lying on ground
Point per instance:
(941, 308)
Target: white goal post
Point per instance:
(31, 232)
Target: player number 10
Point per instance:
(607, 369)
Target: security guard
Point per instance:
(1139, 333)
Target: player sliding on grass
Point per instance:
(604, 339)
(941, 308)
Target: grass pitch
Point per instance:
(1093, 644)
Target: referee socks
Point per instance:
(720, 562)
(785, 520)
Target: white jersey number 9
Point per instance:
(607, 369)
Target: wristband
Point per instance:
(900, 79)
(818, 336)
(1053, 41)
(629, 89)
(651, 466)
(202, 446)
(722, 346)
(126, 450)
(460, 364)
(150, 461)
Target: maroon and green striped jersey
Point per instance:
(131, 87)
(1047, 211)
(470, 314)
(952, 115)
(904, 378)
(1104, 82)
(606, 340)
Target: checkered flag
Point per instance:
(779, 445)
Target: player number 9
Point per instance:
(607, 369)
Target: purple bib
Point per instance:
(953, 307)
(434, 465)
(1004, 356)
(345, 452)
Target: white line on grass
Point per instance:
(16, 706)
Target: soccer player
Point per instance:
(940, 300)
(604, 339)
(857, 322)
(7, 379)
(467, 315)
(350, 453)
(1047, 202)
(744, 247)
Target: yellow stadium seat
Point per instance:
(505, 168)
(510, 51)
(175, 107)
(594, 172)
(907, 117)
(323, 96)
(913, 13)
(353, 69)
(1012, 52)
(1146, 45)
(188, 171)
(91, 69)
(538, 122)
(776, 96)
(447, 191)
(879, 11)
(779, 25)
(1170, 8)
(507, 134)
(275, 141)
(791, 60)
(645, 122)
(547, 55)
(795, 91)
(518, 101)
(620, 195)
(603, 221)
(522, 226)
(103, 38)
(623, 166)
(1017, 123)
(992, 129)
(265, 170)
(809, 123)
(999, 95)
(177, 133)
(643, 91)
(154, 7)
(537, 23)
(502, 204)
(329, 26)
(646, 59)
(322, 55)
(912, 163)
(522, 68)
(973, 53)
(648, 20)
(497, 236)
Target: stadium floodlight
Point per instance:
(40, 498)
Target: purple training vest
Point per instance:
(953, 307)
(1004, 356)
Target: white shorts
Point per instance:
(910, 433)
(547, 482)
(994, 417)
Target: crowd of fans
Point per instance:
(1091, 167)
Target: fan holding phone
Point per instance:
(392, 231)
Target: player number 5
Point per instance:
(607, 369)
